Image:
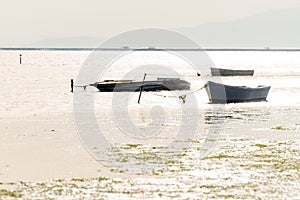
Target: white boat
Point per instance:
(220, 93)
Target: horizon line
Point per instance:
(142, 49)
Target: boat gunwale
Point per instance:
(238, 87)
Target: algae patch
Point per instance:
(280, 128)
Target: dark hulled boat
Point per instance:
(132, 86)
(230, 72)
(220, 93)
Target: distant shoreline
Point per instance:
(146, 49)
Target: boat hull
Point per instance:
(219, 93)
(230, 72)
(157, 85)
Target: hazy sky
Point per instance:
(32, 20)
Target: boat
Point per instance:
(230, 72)
(133, 86)
(220, 93)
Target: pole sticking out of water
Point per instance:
(72, 85)
(141, 89)
(20, 58)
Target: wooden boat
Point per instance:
(230, 72)
(132, 86)
(220, 93)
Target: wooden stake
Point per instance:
(141, 89)
(72, 85)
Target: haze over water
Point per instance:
(257, 152)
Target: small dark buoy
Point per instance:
(72, 85)
(198, 74)
(20, 58)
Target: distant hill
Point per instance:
(275, 29)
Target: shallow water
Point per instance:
(242, 151)
(240, 169)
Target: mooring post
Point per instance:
(72, 85)
(20, 58)
(141, 89)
